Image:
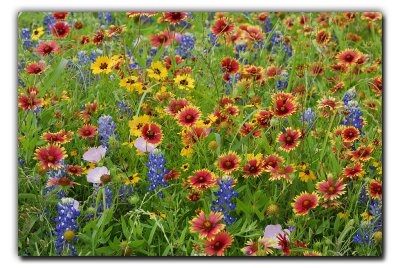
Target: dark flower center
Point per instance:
(103, 66)
(177, 108)
(218, 245)
(289, 140)
(253, 169)
(307, 204)
(201, 179)
(349, 57)
(207, 225)
(228, 164)
(50, 158)
(150, 134)
(86, 132)
(189, 118)
(64, 181)
(331, 189)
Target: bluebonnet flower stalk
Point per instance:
(282, 85)
(157, 171)
(186, 46)
(106, 129)
(308, 117)
(108, 201)
(68, 211)
(354, 117)
(224, 199)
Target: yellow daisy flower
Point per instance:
(102, 65)
(140, 121)
(129, 83)
(132, 179)
(36, 33)
(307, 175)
(158, 71)
(184, 82)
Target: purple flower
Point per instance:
(94, 155)
(95, 174)
(143, 146)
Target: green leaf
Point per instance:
(54, 77)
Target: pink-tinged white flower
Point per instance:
(143, 146)
(94, 175)
(94, 155)
(273, 232)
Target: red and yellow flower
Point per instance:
(330, 189)
(208, 227)
(50, 155)
(218, 244)
(228, 162)
(304, 202)
(290, 139)
(152, 133)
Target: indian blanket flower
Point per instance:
(45, 49)
(271, 161)
(230, 65)
(353, 171)
(50, 155)
(97, 175)
(60, 15)
(254, 167)
(280, 171)
(152, 133)
(36, 69)
(228, 162)
(290, 139)
(362, 153)
(223, 26)
(63, 182)
(329, 106)
(87, 131)
(102, 65)
(60, 29)
(375, 188)
(304, 202)
(207, 226)
(74, 170)
(161, 39)
(174, 17)
(202, 179)
(283, 107)
(175, 106)
(348, 56)
(94, 155)
(29, 101)
(224, 195)
(330, 189)
(218, 244)
(350, 134)
(157, 171)
(66, 227)
(188, 116)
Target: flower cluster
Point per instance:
(157, 171)
(66, 228)
(106, 129)
(224, 195)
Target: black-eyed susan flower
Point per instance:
(102, 65)
(185, 167)
(157, 71)
(184, 81)
(139, 123)
(129, 83)
(304, 202)
(36, 33)
(306, 175)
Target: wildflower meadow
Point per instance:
(200, 134)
